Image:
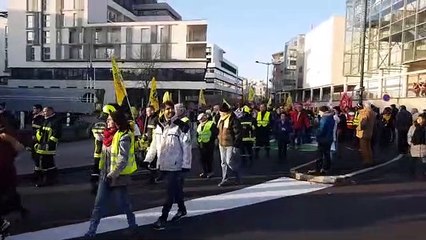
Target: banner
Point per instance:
(167, 97)
(153, 97)
(345, 101)
(120, 89)
(251, 94)
(202, 98)
(289, 102)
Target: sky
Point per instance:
(251, 30)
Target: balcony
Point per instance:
(196, 51)
(196, 33)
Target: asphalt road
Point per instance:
(388, 206)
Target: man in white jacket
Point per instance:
(172, 145)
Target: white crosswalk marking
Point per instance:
(271, 190)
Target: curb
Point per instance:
(60, 171)
(338, 179)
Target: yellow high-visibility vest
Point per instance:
(204, 134)
(115, 151)
(265, 121)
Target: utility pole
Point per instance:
(363, 43)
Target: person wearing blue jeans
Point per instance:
(117, 164)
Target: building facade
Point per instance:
(222, 77)
(289, 68)
(69, 44)
(324, 50)
(395, 50)
(4, 65)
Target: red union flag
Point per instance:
(346, 101)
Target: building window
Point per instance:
(60, 20)
(75, 19)
(46, 37)
(44, 4)
(145, 35)
(58, 37)
(32, 5)
(46, 20)
(76, 53)
(30, 37)
(74, 36)
(30, 53)
(46, 53)
(30, 21)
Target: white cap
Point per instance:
(200, 116)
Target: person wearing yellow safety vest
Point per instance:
(173, 147)
(46, 141)
(248, 130)
(206, 136)
(117, 164)
(263, 130)
(98, 133)
(36, 122)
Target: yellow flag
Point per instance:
(167, 97)
(120, 89)
(289, 101)
(251, 94)
(226, 102)
(202, 98)
(153, 97)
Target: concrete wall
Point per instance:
(324, 48)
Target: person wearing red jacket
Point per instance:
(10, 200)
(300, 122)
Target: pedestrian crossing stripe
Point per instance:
(271, 190)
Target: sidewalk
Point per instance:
(70, 155)
(348, 164)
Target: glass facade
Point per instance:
(395, 45)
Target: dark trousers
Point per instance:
(10, 201)
(282, 149)
(95, 169)
(174, 185)
(262, 140)
(247, 153)
(323, 161)
(207, 154)
(298, 137)
(45, 168)
(417, 168)
(402, 141)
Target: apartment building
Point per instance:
(69, 44)
(222, 76)
(4, 65)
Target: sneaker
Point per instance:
(210, 175)
(313, 172)
(4, 226)
(224, 183)
(89, 235)
(178, 216)
(160, 224)
(203, 175)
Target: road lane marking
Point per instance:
(271, 190)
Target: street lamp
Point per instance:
(267, 76)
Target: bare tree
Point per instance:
(146, 70)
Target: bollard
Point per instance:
(22, 120)
(68, 119)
